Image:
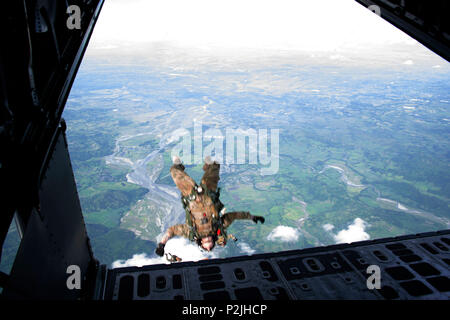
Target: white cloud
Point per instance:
(281, 24)
(328, 227)
(284, 234)
(408, 62)
(354, 232)
(138, 260)
(181, 247)
(245, 248)
(189, 251)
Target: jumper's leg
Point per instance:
(181, 178)
(211, 176)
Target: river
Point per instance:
(164, 196)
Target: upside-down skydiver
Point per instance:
(206, 220)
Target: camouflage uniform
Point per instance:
(182, 230)
(202, 208)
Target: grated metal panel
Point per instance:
(409, 270)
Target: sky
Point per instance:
(308, 25)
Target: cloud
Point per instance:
(284, 234)
(408, 62)
(245, 248)
(188, 251)
(138, 260)
(328, 227)
(180, 247)
(278, 24)
(354, 232)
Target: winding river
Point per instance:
(167, 197)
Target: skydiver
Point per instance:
(206, 220)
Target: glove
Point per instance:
(160, 250)
(258, 218)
